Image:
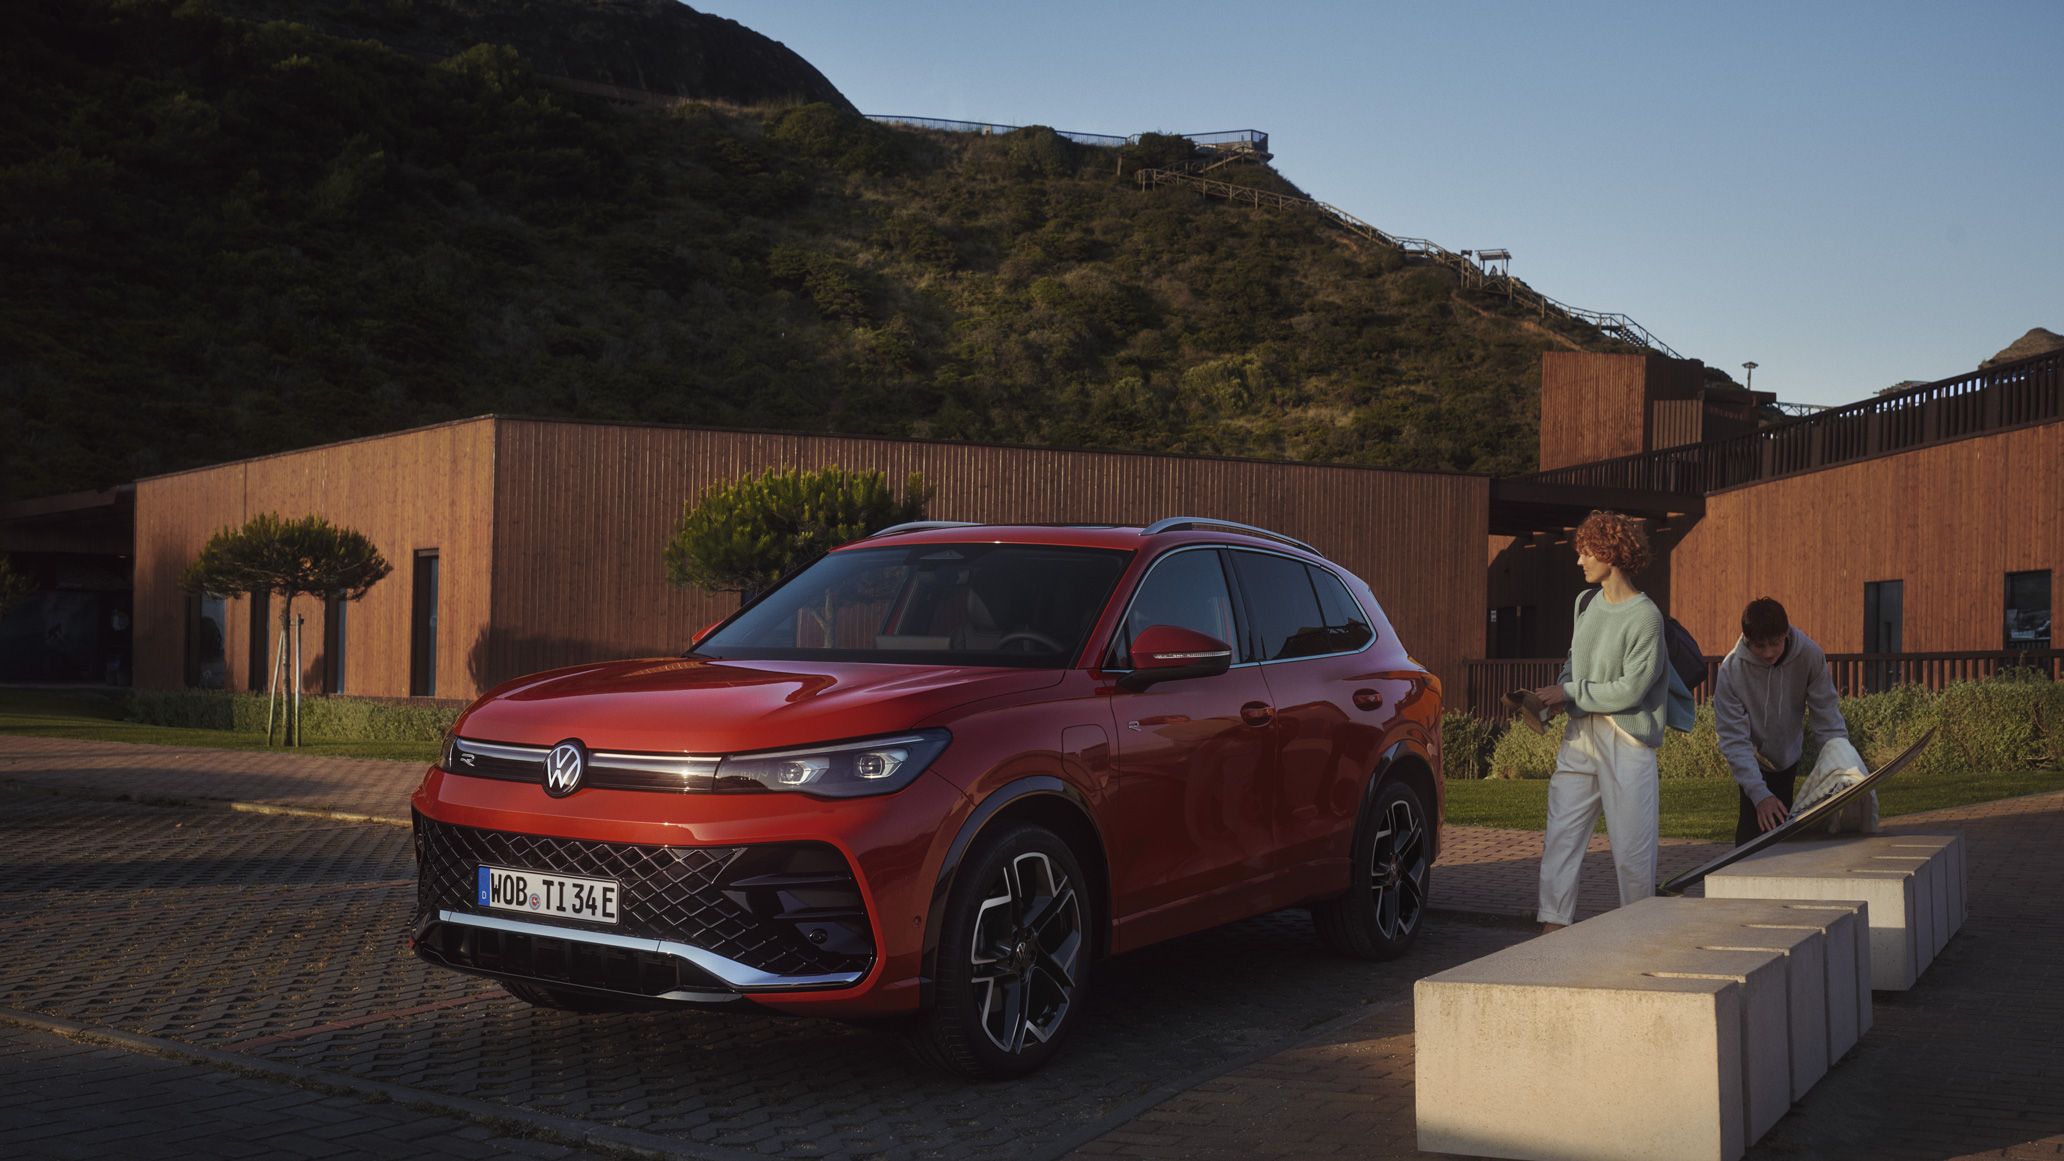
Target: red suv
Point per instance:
(936, 775)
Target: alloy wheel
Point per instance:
(1025, 952)
(1397, 870)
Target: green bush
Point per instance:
(323, 719)
(1466, 742)
(1522, 753)
(1695, 754)
(2011, 722)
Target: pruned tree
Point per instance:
(742, 536)
(14, 587)
(270, 554)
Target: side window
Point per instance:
(1185, 589)
(1346, 624)
(1287, 620)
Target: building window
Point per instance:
(2028, 610)
(423, 627)
(335, 618)
(205, 620)
(1882, 602)
(260, 653)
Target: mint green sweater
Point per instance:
(1618, 664)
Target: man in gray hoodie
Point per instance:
(1770, 682)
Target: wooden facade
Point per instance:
(431, 489)
(1950, 521)
(1600, 407)
(550, 534)
(1593, 407)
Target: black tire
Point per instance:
(1013, 959)
(1392, 878)
(565, 999)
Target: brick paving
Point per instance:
(1237, 1043)
(65, 1098)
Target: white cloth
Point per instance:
(1837, 768)
(1600, 766)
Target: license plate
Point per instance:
(503, 889)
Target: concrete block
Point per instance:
(1897, 882)
(1653, 1030)
(1848, 962)
(1951, 847)
(1816, 993)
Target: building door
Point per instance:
(423, 627)
(259, 677)
(1882, 602)
(334, 623)
(1515, 632)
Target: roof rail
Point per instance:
(1176, 523)
(922, 526)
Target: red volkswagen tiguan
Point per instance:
(937, 775)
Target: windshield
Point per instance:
(1027, 605)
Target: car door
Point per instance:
(1194, 765)
(1312, 639)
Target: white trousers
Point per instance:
(1599, 766)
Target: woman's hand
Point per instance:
(1552, 699)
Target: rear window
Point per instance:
(1017, 605)
(1299, 610)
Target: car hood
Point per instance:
(695, 706)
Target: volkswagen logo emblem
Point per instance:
(563, 768)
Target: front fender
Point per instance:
(1013, 798)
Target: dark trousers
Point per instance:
(1780, 783)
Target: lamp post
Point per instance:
(1749, 379)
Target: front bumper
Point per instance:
(696, 924)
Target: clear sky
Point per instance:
(1848, 194)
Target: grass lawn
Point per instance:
(1704, 808)
(95, 716)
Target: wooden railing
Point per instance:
(1611, 323)
(1855, 674)
(1240, 140)
(2010, 395)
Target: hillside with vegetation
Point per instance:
(227, 237)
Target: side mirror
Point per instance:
(1170, 653)
(704, 632)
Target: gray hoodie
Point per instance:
(1760, 708)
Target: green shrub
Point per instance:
(1695, 754)
(1466, 744)
(323, 719)
(2006, 723)
(2011, 722)
(1522, 753)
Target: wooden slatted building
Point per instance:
(1926, 521)
(519, 545)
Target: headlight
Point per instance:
(840, 770)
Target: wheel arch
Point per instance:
(1041, 800)
(1407, 760)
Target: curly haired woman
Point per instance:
(1614, 686)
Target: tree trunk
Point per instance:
(292, 735)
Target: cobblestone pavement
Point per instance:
(255, 962)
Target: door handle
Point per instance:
(1257, 713)
(1368, 699)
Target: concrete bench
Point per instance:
(1914, 886)
(1670, 1028)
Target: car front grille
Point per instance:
(785, 909)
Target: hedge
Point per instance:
(2008, 722)
(323, 719)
